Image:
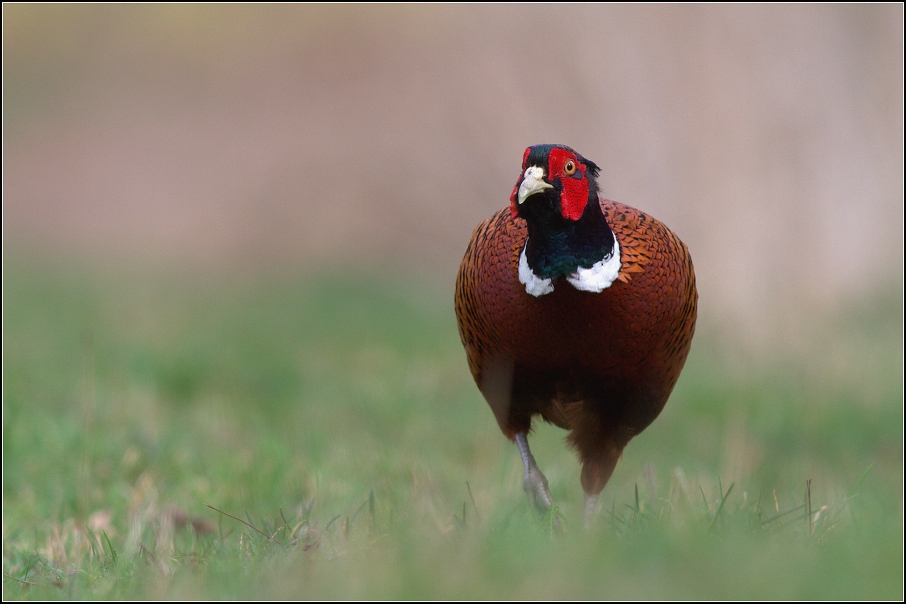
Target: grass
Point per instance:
(334, 425)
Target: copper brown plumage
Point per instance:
(600, 364)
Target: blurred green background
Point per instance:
(230, 236)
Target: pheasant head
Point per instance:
(557, 196)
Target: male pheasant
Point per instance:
(576, 309)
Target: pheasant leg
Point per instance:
(597, 469)
(534, 483)
(591, 508)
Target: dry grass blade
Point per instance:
(782, 514)
(22, 581)
(251, 526)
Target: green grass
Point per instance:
(337, 416)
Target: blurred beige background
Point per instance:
(770, 138)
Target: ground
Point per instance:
(337, 417)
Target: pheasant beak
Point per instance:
(532, 182)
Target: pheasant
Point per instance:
(577, 309)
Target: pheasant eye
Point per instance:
(570, 167)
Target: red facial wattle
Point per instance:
(514, 205)
(574, 192)
(574, 197)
